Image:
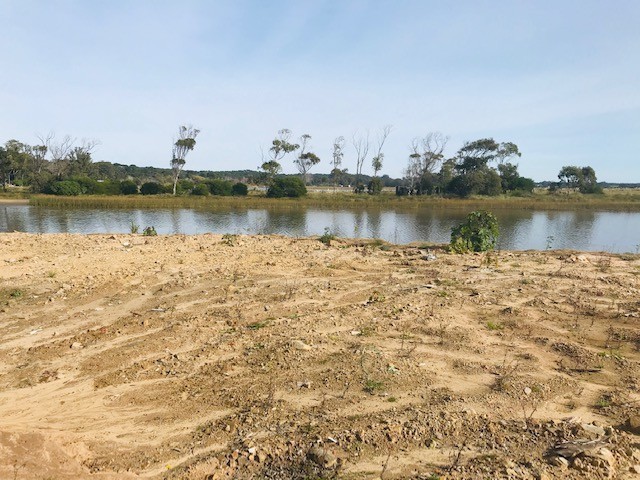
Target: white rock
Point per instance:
(300, 345)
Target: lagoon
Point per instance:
(588, 230)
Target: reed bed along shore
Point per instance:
(627, 200)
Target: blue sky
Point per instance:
(561, 79)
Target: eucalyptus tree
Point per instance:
(306, 159)
(376, 161)
(185, 143)
(281, 145)
(336, 161)
(361, 144)
(427, 153)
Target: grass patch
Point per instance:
(257, 325)
(494, 326)
(373, 386)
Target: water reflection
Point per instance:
(520, 229)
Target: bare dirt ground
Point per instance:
(266, 357)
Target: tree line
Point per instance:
(479, 167)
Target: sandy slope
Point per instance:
(268, 357)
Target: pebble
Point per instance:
(76, 346)
(300, 345)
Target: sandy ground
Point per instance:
(124, 356)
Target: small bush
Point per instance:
(150, 188)
(149, 232)
(239, 190)
(291, 187)
(200, 189)
(375, 186)
(66, 187)
(128, 187)
(327, 237)
(478, 233)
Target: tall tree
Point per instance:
(80, 161)
(336, 159)
(281, 145)
(59, 152)
(5, 168)
(426, 154)
(305, 159)
(376, 161)
(570, 177)
(361, 145)
(17, 160)
(185, 142)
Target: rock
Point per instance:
(634, 424)
(559, 461)
(300, 345)
(322, 457)
(76, 346)
(606, 455)
(635, 469)
(594, 429)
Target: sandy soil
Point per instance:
(206, 356)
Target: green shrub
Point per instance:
(327, 236)
(239, 190)
(149, 232)
(292, 187)
(200, 189)
(184, 186)
(87, 185)
(65, 187)
(107, 187)
(375, 186)
(150, 188)
(477, 234)
(128, 187)
(220, 187)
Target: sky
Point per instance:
(560, 79)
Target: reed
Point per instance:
(628, 200)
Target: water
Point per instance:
(520, 229)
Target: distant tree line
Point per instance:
(480, 167)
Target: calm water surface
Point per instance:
(520, 229)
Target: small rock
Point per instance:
(606, 455)
(559, 461)
(76, 346)
(300, 345)
(527, 391)
(634, 424)
(635, 469)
